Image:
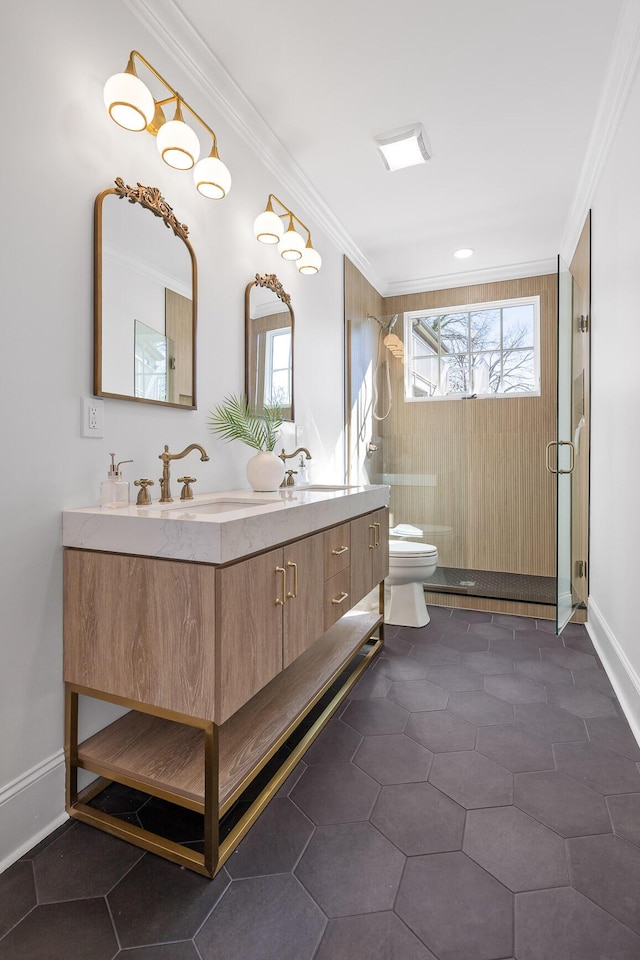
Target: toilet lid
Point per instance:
(404, 548)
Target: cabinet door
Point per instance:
(303, 612)
(380, 555)
(363, 537)
(248, 629)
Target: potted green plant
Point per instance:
(233, 419)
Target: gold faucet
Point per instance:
(166, 457)
(289, 456)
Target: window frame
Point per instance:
(410, 315)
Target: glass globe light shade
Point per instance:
(178, 145)
(212, 178)
(310, 261)
(268, 227)
(291, 245)
(129, 101)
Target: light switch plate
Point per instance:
(92, 417)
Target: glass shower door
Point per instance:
(562, 462)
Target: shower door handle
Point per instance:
(560, 443)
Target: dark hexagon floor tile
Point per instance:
(464, 642)
(370, 686)
(335, 793)
(270, 917)
(600, 769)
(471, 779)
(625, 816)
(564, 925)
(594, 679)
(49, 839)
(513, 622)
(396, 645)
(338, 741)
(170, 821)
(570, 659)
(98, 863)
(488, 663)
(581, 702)
(491, 631)
(377, 716)
(441, 731)
(418, 695)
(480, 708)
(516, 749)
(568, 807)
(80, 929)
(434, 653)
(466, 913)
(543, 671)
(374, 936)
(274, 844)
(292, 779)
(401, 668)
(515, 649)
(515, 849)
(614, 734)
(471, 616)
(549, 722)
(184, 950)
(539, 638)
(607, 870)
(158, 902)
(17, 894)
(455, 677)
(350, 869)
(394, 758)
(419, 819)
(515, 689)
(116, 799)
(581, 643)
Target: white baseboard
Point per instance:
(31, 806)
(620, 671)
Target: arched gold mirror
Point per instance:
(268, 345)
(145, 296)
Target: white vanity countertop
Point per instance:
(218, 527)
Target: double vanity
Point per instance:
(221, 623)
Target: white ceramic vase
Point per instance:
(265, 471)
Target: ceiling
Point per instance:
(507, 90)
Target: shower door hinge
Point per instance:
(581, 569)
(583, 323)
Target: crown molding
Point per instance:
(623, 63)
(175, 33)
(512, 271)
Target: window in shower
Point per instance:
(482, 349)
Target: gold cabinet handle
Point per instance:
(560, 443)
(339, 551)
(281, 602)
(372, 526)
(291, 595)
(343, 596)
(377, 539)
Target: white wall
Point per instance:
(56, 58)
(614, 614)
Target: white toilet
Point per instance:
(410, 564)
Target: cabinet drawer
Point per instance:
(337, 599)
(337, 550)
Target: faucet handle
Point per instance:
(143, 494)
(187, 492)
(289, 482)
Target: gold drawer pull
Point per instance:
(377, 540)
(339, 551)
(343, 596)
(291, 595)
(372, 526)
(281, 602)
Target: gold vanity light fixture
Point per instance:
(132, 106)
(269, 228)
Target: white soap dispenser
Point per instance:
(303, 472)
(114, 491)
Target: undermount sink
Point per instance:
(215, 506)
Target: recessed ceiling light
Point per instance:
(404, 147)
(463, 253)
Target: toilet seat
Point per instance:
(405, 550)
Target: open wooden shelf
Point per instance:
(167, 757)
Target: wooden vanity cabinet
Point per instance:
(370, 552)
